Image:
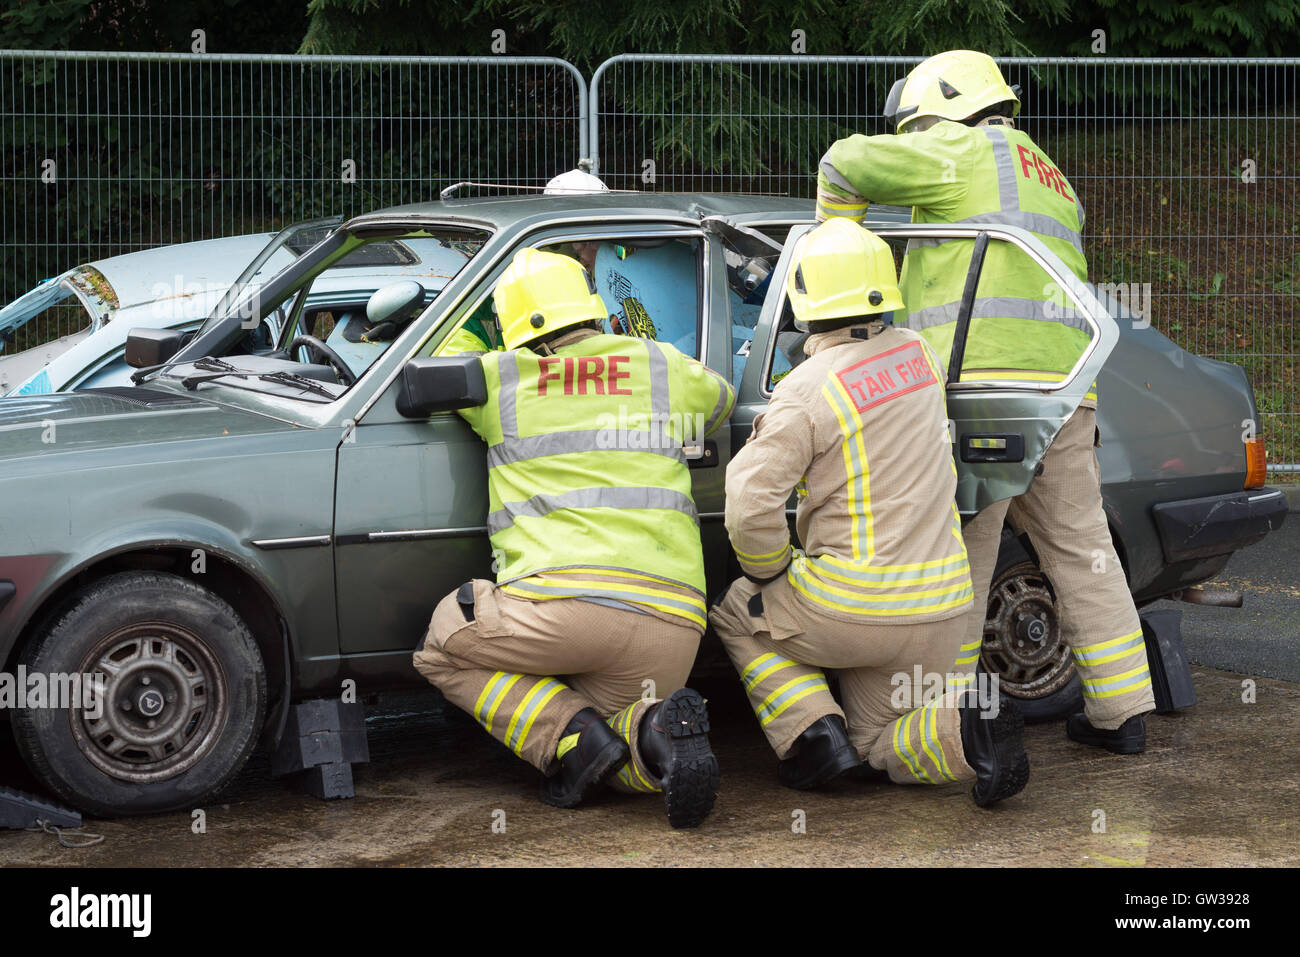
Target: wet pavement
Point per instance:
(1218, 785)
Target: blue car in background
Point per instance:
(91, 308)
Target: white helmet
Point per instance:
(573, 182)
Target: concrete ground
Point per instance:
(1218, 785)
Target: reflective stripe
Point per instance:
(1112, 650)
(930, 741)
(627, 496)
(835, 178)
(660, 402)
(494, 693)
(522, 721)
(985, 375)
(951, 567)
(725, 399)
(903, 743)
(769, 559)
(1038, 223)
(1008, 194)
(770, 664)
(1123, 683)
(576, 441)
(622, 725)
(856, 469)
(924, 601)
(667, 602)
(969, 652)
(796, 690)
(908, 566)
(1000, 307)
(508, 372)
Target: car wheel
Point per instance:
(183, 697)
(1023, 643)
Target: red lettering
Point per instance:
(543, 375)
(902, 370)
(1061, 186)
(1027, 159)
(590, 369)
(568, 375)
(615, 374)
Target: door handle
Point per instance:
(993, 447)
(702, 456)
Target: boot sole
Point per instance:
(612, 757)
(691, 783)
(1125, 746)
(1012, 774)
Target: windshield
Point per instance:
(315, 328)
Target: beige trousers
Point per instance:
(900, 709)
(1062, 514)
(502, 668)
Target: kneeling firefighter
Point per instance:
(860, 431)
(599, 598)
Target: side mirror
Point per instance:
(152, 347)
(441, 384)
(397, 300)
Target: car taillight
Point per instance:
(1255, 463)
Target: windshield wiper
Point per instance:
(138, 375)
(283, 377)
(292, 378)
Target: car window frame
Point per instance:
(1085, 302)
(482, 291)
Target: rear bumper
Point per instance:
(1218, 524)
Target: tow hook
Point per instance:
(1219, 597)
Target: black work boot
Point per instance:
(821, 753)
(867, 774)
(598, 755)
(673, 741)
(995, 752)
(1129, 738)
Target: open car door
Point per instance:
(1000, 428)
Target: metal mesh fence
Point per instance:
(1187, 169)
(103, 154)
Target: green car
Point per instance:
(256, 524)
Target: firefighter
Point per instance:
(882, 589)
(957, 156)
(599, 603)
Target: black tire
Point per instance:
(1033, 664)
(174, 654)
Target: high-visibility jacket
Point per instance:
(860, 431)
(475, 335)
(589, 490)
(985, 174)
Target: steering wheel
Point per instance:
(323, 351)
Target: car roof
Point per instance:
(209, 264)
(506, 210)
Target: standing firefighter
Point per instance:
(957, 157)
(599, 597)
(883, 589)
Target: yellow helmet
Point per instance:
(953, 86)
(541, 293)
(841, 271)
